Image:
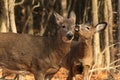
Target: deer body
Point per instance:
(81, 54)
(38, 55)
(21, 54)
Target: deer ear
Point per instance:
(101, 26)
(73, 17)
(58, 18)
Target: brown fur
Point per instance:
(80, 55)
(38, 55)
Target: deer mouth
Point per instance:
(67, 40)
(69, 37)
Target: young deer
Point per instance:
(81, 51)
(38, 55)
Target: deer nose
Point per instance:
(76, 28)
(70, 35)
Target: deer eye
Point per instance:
(87, 28)
(63, 26)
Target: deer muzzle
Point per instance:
(70, 35)
(77, 28)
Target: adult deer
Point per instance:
(38, 55)
(81, 53)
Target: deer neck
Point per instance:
(62, 46)
(56, 44)
(86, 42)
(85, 46)
(59, 50)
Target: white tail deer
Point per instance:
(38, 55)
(81, 51)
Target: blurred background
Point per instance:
(35, 17)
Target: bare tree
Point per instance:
(11, 5)
(64, 8)
(96, 50)
(110, 25)
(4, 16)
(118, 55)
(30, 23)
(119, 25)
(8, 23)
(107, 51)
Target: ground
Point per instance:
(62, 75)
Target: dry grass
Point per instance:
(62, 74)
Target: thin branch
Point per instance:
(33, 1)
(91, 72)
(105, 68)
(115, 61)
(35, 6)
(109, 47)
(43, 26)
(19, 3)
(24, 28)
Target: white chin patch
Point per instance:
(66, 40)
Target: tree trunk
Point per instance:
(4, 17)
(42, 27)
(30, 23)
(96, 50)
(64, 7)
(119, 26)
(9, 18)
(107, 51)
(11, 5)
(118, 55)
(110, 26)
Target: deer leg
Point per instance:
(86, 72)
(39, 76)
(50, 73)
(16, 77)
(5, 74)
(70, 74)
(19, 77)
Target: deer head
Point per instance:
(65, 27)
(86, 31)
